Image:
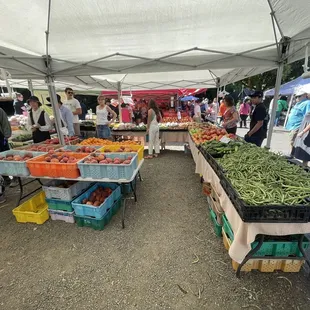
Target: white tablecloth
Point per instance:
(174, 136)
(244, 233)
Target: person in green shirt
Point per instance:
(282, 106)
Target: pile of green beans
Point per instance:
(264, 178)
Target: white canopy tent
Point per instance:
(150, 45)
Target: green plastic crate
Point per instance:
(117, 205)
(217, 226)
(59, 205)
(96, 224)
(271, 247)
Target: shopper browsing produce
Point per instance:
(222, 109)
(259, 120)
(281, 106)
(197, 112)
(153, 120)
(244, 111)
(297, 114)
(301, 148)
(74, 105)
(230, 116)
(38, 121)
(66, 117)
(5, 134)
(102, 112)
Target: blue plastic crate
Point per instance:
(16, 168)
(96, 212)
(110, 171)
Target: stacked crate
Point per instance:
(59, 196)
(97, 217)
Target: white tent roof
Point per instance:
(149, 44)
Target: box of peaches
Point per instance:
(14, 163)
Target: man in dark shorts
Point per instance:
(259, 120)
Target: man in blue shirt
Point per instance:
(297, 114)
(66, 116)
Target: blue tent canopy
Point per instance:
(289, 87)
(189, 98)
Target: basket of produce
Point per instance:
(79, 148)
(39, 147)
(68, 140)
(114, 166)
(56, 165)
(125, 149)
(96, 201)
(14, 163)
(103, 142)
(266, 189)
(22, 138)
(33, 210)
(64, 190)
(218, 149)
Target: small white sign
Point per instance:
(225, 139)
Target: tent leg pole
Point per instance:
(52, 93)
(30, 86)
(289, 108)
(8, 87)
(275, 104)
(119, 101)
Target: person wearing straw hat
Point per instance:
(38, 121)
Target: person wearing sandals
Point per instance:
(153, 120)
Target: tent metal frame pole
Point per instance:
(274, 104)
(30, 86)
(119, 89)
(54, 102)
(8, 86)
(289, 108)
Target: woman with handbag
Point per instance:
(153, 120)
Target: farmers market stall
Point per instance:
(246, 223)
(86, 168)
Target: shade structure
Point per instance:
(189, 98)
(153, 45)
(290, 87)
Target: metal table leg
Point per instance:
(139, 176)
(123, 213)
(133, 188)
(250, 255)
(301, 249)
(20, 184)
(21, 187)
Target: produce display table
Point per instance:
(165, 135)
(131, 182)
(244, 232)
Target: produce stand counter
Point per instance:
(165, 135)
(131, 182)
(245, 232)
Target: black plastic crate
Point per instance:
(268, 213)
(212, 162)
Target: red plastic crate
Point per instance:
(39, 168)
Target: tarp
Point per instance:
(156, 44)
(189, 98)
(289, 87)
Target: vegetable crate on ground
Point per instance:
(59, 205)
(64, 216)
(40, 168)
(33, 210)
(64, 190)
(217, 226)
(110, 171)
(266, 213)
(125, 149)
(82, 209)
(283, 246)
(98, 224)
(16, 168)
(215, 204)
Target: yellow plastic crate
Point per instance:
(34, 210)
(135, 148)
(265, 265)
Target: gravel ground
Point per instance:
(167, 257)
